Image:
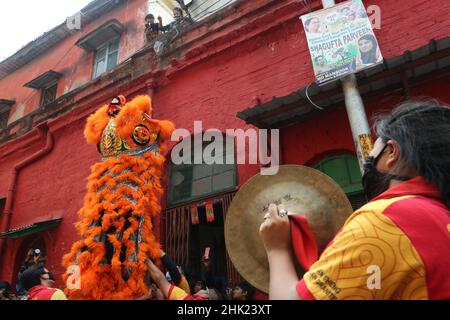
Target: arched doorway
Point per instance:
(34, 241)
(344, 169)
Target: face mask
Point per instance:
(374, 181)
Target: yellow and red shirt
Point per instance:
(46, 293)
(184, 285)
(176, 293)
(395, 247)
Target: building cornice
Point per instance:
(228, 28)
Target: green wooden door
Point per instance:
(344, 169)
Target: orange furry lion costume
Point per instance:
(123, 193)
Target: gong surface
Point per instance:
(303, 190)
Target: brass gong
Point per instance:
(303, 190)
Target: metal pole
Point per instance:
(356, 113)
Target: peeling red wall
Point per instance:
(213, 90)
(75, 63)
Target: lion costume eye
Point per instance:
(141, 135)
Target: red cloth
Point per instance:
(189, 297)
(41, 293)
(417, 186)
(260, 296)
(303, 241)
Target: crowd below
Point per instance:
(36, 282)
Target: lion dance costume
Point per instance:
(123, 194)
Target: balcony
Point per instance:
(237, 21)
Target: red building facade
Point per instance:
(245, 66)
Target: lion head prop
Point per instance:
(123, 194)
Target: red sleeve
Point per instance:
(189, 297)
(303, 291)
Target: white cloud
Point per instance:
(22, 21)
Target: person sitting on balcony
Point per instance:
(152, 29)
(183, 6)
(179, 20)
(177, 14)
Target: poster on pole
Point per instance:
(341, 41)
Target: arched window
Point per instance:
(190, 182)
(344, 169)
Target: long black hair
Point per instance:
(422, 132)
(371, 56)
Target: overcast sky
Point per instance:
(22, 21)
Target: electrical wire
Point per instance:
(307, 96)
